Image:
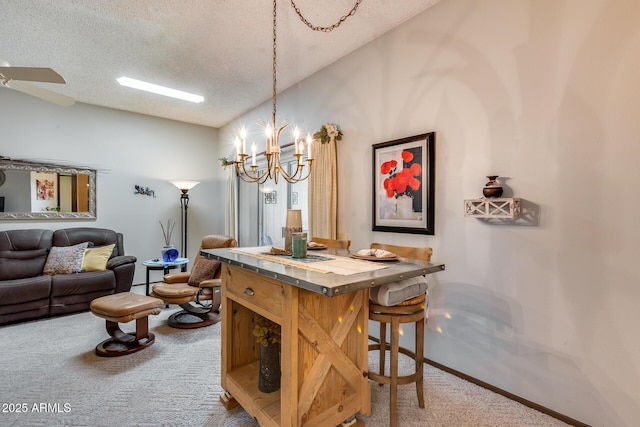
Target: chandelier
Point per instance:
(274, 168)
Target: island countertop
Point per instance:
(329, 284)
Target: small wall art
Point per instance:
(271, 198)
(145, 191)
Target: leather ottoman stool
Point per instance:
(124, 307)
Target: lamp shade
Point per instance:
(185, 185)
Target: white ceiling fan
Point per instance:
(16, 78)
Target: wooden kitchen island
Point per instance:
(324, 334)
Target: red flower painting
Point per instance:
(404, 181)
(403, 190)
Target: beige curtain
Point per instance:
(231, 202)
(323, 191)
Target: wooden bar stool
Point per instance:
(395, 304)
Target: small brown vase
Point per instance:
(493, 187)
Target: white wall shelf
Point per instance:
(505, 208)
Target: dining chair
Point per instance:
(395, 304)
(332, 243)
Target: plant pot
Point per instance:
(269, 379)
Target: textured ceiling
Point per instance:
(220, 49)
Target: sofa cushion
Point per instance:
(84, 283)
(66, 259)
(95, 259)
(23, 253)
(74, 292)
(22, 290)
(204, 269)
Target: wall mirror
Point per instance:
(33, 190)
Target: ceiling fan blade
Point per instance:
(31, 74)
(41, 93)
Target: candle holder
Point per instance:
(299, 245)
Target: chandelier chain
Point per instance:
(273, 114)
(330, 27)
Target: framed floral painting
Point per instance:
(404, 185)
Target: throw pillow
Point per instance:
(95, 259)
(65, 259)
(204, 269)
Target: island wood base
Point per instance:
(228, 401)
(323, 359)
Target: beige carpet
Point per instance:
(49, 369)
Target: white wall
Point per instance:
(546, 94)
(127, 149)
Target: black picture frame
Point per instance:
(404, 185)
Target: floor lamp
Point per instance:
(184, 186)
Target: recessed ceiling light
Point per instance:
(160, 90)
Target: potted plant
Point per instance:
(267, 335)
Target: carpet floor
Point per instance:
(50, 376)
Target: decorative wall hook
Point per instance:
(144, 191)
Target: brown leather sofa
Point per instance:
(27, 293)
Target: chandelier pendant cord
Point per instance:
(275, 23)
(330, 27)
